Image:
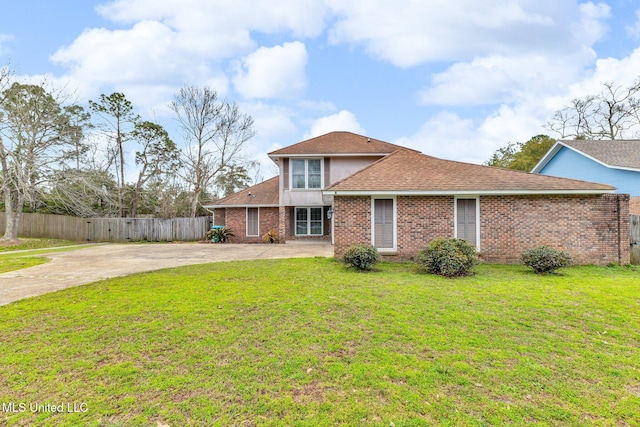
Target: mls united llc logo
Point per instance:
(18, 407)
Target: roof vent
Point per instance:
(368, 139)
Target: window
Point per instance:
(306, 173)
(383, 224)
(467, 220)
(253, 222)
(308, 221)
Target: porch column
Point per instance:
(282, 224)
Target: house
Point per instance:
(615, 162)
(347, 189)
(293, 203)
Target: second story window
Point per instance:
(306, 173)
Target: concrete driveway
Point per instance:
(82, 266)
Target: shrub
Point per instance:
(545, 260)
(220, 235)
(271, 237)
(447, 257)
(361, 257)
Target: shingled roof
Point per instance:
(620, 154)
(337, 143)
(414, 173)
(264, 194)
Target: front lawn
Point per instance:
(19, 262)
(307, 343)
(31, 243)
(13, 258)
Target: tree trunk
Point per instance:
(194, 202)
(121, 191)
(13, 214)
(12, 219)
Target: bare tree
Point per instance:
(215, 130)
(82, 193)
(614, 113)
(34, 129)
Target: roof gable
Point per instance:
(408, 171)
(337, 143)
(617, 154)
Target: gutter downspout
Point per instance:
(213, 214)
(619, 230)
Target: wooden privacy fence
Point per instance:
(112, 229)
(634, 238)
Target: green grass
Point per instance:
(17, 263)
(10, 260)
(30, 243)
(307, 343)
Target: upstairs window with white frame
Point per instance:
(306, 173)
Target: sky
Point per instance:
(455, 79)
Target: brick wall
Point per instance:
(236, 220)
(351, 222)
(593, 229)
(585, 226)
(634, 205)
(422, 219)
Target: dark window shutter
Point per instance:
(327, 171)
(466, 212)
(383, 223)
(285, 173)
(292, 221)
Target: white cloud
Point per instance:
(634, 30)
(4, 38)
(271, 122)
(621, 72)
(342, 121)
(500, 79)
(224, 19)
(449, 136)
(445, 135)
(407, 33)
(145, 62)
(169, 44)
(277, 72)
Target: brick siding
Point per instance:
(351, 222)
(422, 219)
(634, 205)
(593, 229)
(236, 220)
(585, 226)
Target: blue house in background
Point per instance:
(613, 162)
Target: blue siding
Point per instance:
(569, 164)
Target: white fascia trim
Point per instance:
(547, 157)
(462, 192)
(239, 206)
(309, 156)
